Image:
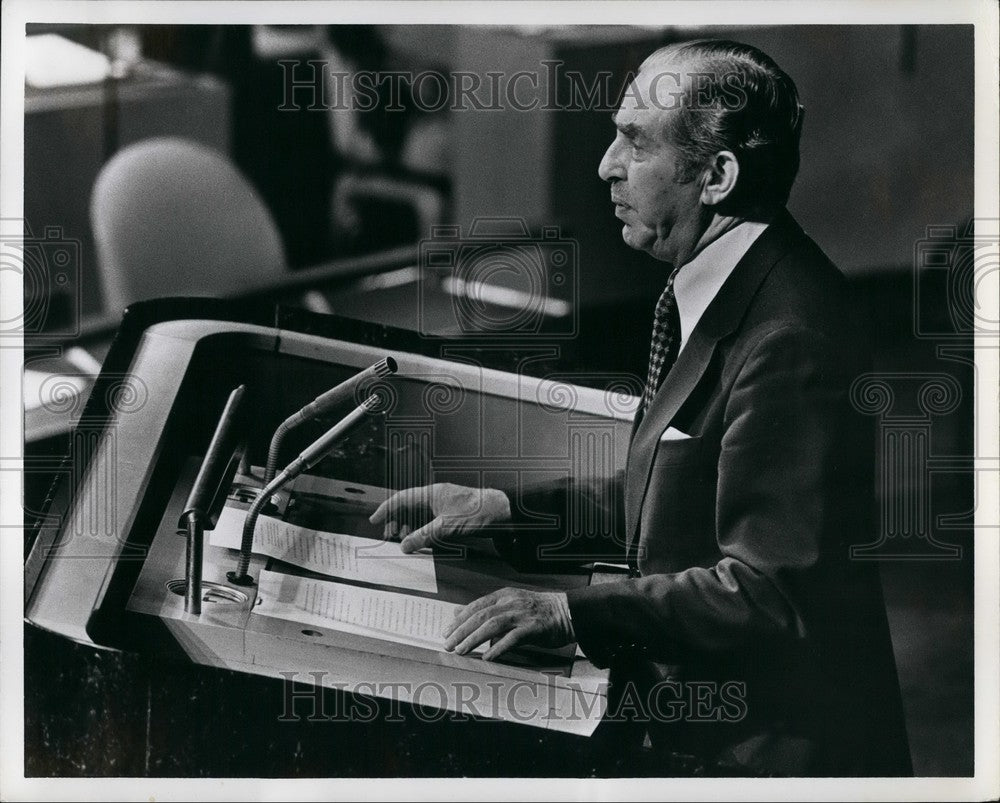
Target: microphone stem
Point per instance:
(274, 451)
(321, 404)
(240, 577)
(193, 562)
(312, 455)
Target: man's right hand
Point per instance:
(456, 512)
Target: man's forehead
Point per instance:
(654, 92)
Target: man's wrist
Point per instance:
(564, 616)
(498, 505)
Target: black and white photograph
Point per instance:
(503, 400)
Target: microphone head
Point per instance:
(371, 403)
(385, 367)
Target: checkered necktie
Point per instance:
(666, 341)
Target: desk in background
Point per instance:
(71, 131)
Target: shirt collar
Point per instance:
(699, 281)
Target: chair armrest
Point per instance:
(335, 272)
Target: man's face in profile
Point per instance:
(658, 210)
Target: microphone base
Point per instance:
(239, 580)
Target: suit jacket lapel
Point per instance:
(721, 317)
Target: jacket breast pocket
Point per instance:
(670, 452)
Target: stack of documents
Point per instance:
(399, 617)
(402, 618)
(368, 560)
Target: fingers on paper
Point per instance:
(399, 503)
(432, 533)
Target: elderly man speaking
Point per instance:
(748, 474)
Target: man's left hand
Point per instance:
(513, 616)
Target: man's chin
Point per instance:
(639, 240)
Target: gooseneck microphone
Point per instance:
(201, 511)
(321, 405)
(315, 452)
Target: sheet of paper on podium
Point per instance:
(349, 557)
(387, 615)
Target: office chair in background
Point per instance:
(172, 217)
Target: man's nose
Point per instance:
(611, 166)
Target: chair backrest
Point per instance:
(172, 217)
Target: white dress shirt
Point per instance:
(699, 281)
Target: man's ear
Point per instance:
(720, 179)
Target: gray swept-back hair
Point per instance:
(736, 99)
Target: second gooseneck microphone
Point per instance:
(313, 453)
(321, 405)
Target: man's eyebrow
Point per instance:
(630, 130)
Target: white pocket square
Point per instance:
(674, 434)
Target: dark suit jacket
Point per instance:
(741, 533)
